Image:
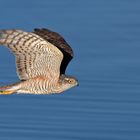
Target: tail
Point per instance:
(9, 89)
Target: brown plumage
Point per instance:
(41, 60)
(58, 41)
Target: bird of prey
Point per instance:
(41, 60)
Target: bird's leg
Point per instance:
(7, 92)
(9, 89)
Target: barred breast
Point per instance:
(38, 85)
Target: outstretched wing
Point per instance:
(34, 55)
(58, 41)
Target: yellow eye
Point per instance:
(71, 81)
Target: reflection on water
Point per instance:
(106, 105)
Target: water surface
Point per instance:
(105, 38)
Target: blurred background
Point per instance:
(105, 37)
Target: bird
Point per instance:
(42, 57)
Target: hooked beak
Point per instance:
(77, 84)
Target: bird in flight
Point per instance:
(41, 60)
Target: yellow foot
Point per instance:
(7, 92)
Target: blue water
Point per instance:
(105, 36)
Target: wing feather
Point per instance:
(34, 55)
(58, 41)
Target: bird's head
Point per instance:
(67, 82)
